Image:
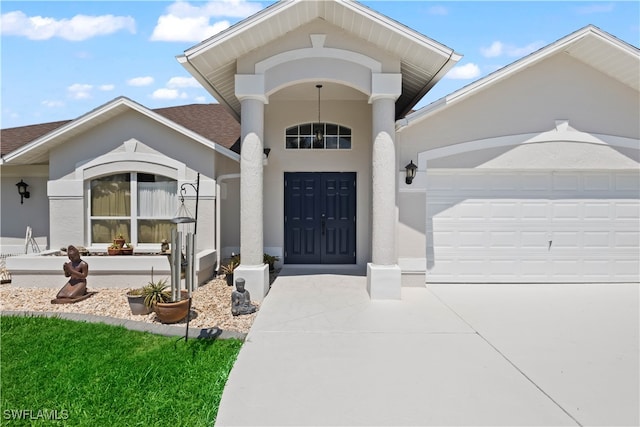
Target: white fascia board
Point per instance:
(239, 27)
(58, 132)
(120, 101)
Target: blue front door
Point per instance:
(320, 217)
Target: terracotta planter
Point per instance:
(136, 304)
(126, 251)
(119, 242)
(113, 251)
(172, 312)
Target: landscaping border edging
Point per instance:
(134, 325)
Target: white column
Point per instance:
(251, 269)
(383, 273)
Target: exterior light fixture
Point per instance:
(319, 134)
(22, 191)
(183, 216)
(411, 172)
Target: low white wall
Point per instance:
(37, 271)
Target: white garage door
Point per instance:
(523, 226)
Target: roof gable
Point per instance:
(423, 60)
(208, 124)
(590, 45)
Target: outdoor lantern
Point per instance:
(22, 191)
(319, 135)
(411, 172)
(183, 216)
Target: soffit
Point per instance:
(606, 54)
(423, 60)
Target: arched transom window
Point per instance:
(303, 137)
(137, 205)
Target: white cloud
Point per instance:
(165, 93)
(140, 81)
(80, 91)
(492, 51)
(438, 10)
(463, 72)
(174, 29)
(499, 48)
(175, 82)
(596, 8)
(106, 88)
(80, 27)
(52, 104)
(200, 99)
(184, 22)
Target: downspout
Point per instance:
(218, 203)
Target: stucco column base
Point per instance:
(256, 279)
(384, 281)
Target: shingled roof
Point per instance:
(211, 121)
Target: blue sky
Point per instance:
(61, 59)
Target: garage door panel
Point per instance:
(627, 210)
(596, 268)
(535, 210)
(533, 181)
(566, 211)
(557, 227)
(597, 239)
(626, 182)
(626, 239)
(597, 182)
(566, 182)
(597, 211)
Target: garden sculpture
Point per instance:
(241, 300)
(77, 271)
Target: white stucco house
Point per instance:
(530, 174)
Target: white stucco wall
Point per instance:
(560, 88)
(33, 212)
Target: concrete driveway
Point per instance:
(321, 353)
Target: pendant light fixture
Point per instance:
(319, 132)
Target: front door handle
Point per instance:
(323, 223)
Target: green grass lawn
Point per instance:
(88, 374)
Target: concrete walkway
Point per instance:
(321, 353)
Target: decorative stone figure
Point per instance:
(77, 271)
(241, 300)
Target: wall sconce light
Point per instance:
(411, 172)
(22, 191)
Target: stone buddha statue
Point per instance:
(241, 300)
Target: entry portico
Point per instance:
(265, 70)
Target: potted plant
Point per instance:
(227, 270)
(119, 240)
(127, 249)
(114, 249)
(158, 297)
(271, 260)
(135, 297)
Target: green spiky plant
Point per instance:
(156, 292)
